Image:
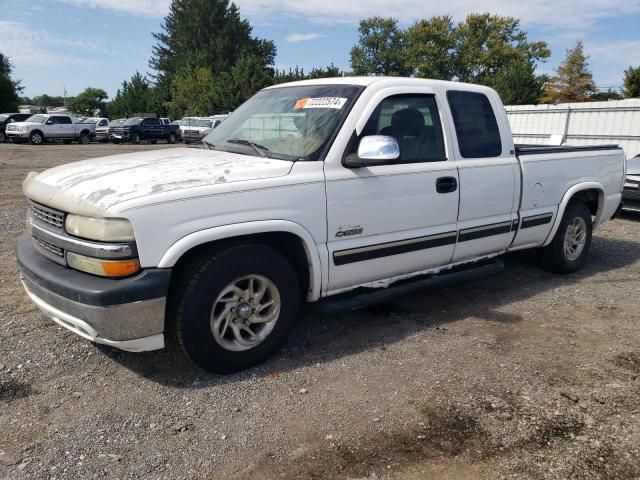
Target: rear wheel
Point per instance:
(2, 137)
(235, 308)
(36, 138)
(84, 138)
(569, 248)
(172, 138)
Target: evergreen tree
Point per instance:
(573, 81)
(210, 30)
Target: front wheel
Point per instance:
(235, 308)
(136, 139)
(569, 248)
(36, 138)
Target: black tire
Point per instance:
(3, 138)
(199, 286)
(36, 138)
(172, 138)
(554, 256)
(136, 139)
(84, 138)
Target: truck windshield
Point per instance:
(37, 118)
(132, 121)
(288, 123)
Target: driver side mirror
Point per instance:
(374, 150)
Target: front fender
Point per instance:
(182, 246)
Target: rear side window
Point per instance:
(151, 122)
(61, 120)
(476, 125)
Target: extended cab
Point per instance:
(308, 190)
(137, 129)
(40, 128)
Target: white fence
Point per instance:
(593, 123)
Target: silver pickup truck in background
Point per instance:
(42, 127)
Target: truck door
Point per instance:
(391, 220)
(488, 172)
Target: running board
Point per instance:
(358, 299)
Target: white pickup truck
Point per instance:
(308, 190)
(40, 128)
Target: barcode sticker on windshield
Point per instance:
(320, 102)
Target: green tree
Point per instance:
(430, 46)
(89, 102)
(45, 100)
(380, 49)
(135, 95)
(518, 84)
(231, 89)
(631, 83)
(487, 43)
(573, 81)
(9, 88)
(191, 93)
(603, 96)
(210, 30)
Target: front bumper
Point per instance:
(631, 193)
(124, 313)
(13, 134)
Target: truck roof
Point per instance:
(382, 81)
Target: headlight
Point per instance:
(23, 129)
(101, 229)
(103, 268)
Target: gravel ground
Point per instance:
(523, 374)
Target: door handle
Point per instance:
(446, 184)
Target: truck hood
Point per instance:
(22, 124)
(90, 187)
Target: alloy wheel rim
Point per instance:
(575, 239)
(36, 138)
(245, 312)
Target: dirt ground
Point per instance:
(524, 374)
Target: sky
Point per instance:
(73, 44)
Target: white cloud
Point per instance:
(303, 37)
(147, 8)
(28, 47)
(553, 13)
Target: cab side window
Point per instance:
(414, 122)
(476, 125)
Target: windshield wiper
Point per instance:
(260, 150)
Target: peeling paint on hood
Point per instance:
(90, 187)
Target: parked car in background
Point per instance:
(41, 128)
(102, 130)
(7, 118)
(631, 192)
(197, 130)
(138, 129)
(309, 190)
(101, 126)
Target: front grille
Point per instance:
(47, 215)
(53, 253)
(57, 251)
(631, 197)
